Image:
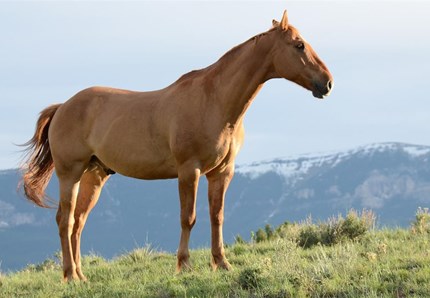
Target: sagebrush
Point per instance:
(335, 230)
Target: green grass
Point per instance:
(380, 263)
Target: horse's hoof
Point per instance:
(82, 277)
(183, 266)
(71, 278)
(221, 264)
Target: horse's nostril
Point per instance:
(329, 85)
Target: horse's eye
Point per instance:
(300, 46)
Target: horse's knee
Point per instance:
(217, 219)
(188, 222)
(65, 226)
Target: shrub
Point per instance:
(92, 260)
(139, 255)
(333, 231)
(239, 249)
(239, 240)
(260, 236)
(269, 232)
(290, 231)
(47, 265)
(250, 278)
(421, 225)
(310, 235)
(355, 225)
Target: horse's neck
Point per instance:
(239, 76)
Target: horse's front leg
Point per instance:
(218, 184)
(188, 179)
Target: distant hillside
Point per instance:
(393, 179)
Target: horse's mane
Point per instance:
(224, 58)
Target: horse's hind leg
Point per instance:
(69, 178)
(89, 192)
(188, 182)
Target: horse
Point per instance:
(191, 128)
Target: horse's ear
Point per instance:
(284, 21)
(275, 23)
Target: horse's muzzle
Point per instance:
(322, 90)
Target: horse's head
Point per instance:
(295, 60)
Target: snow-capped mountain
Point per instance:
(297, 166)
(393, 179)
(389, 178)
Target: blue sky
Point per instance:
(376, 51)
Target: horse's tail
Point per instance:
(38, 165)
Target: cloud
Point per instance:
(305, 193)
(6, 207)
(9, 218)
(334, 191)
(19, 219)
(110, 216)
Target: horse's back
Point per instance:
(78, 114)
(121, 128)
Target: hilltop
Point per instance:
(377, 263)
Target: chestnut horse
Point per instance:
(191, 128)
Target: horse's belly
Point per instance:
(165, 171)
(141, 164)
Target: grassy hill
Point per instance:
(337, 258)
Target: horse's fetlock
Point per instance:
(183, 257)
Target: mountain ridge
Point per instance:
(336, 155)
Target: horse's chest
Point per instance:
(218, 152)
(207, 149)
